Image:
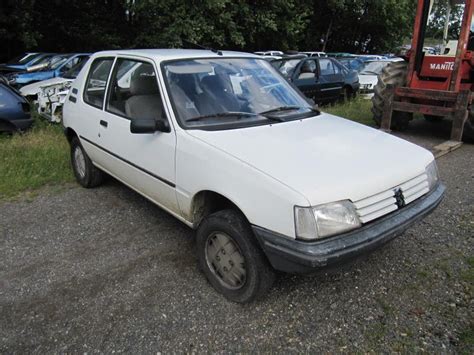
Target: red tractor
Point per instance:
(433, 85)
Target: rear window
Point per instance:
(94, 91)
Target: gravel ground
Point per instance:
(104, 270)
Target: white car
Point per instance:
(49, 95)
(368, 75)
(270, 53)
(226, 145)
(315, 54)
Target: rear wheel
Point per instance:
(85, 172)
(468, 133)
(394, 74)
(231, 258)
(347, 94)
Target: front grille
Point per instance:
(380, 204)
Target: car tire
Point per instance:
(231, 258)
(395, 74)
(348, 94)
(85, 172)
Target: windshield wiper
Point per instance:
(222, 114)
(268, 114)
(280, 109)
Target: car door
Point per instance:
(91, 113)
(145, 162)
(331, 80)
(306, 78)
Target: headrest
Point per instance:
(144, 85)
(213, 83)
(308, 67)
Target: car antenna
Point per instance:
(218, 52)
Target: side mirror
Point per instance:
(141, 126)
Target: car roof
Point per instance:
(171, 54)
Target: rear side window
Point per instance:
(96, 83)
(327, 68)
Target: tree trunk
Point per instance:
(446, 23)
(326, 37)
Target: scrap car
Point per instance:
(59, 65)
(14, 110)
(30, 63)
(368, 75)
(49, 95)
(324, 80)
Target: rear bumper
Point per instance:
(22, 124)
(296, 256)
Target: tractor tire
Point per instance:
(395, 74)
(433, 118)
(468, 132)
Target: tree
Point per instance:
(90, 25)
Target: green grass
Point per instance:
(356, 110)
(466, 340)
(37, 158)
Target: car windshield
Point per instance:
(353, 64)
(222, 93)
(74, 71)
(24, 58)
(56, 64)
(286, 67)
(373, 68)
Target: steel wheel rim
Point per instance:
(225, 260)
(80, 162)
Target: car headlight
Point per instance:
(325, 220)
(432, 172)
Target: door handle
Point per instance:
(104, 123)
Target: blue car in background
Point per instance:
(60, 65)
(25, 62)
(14, 110)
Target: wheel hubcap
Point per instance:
(225, 260)
(80, 162)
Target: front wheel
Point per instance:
(231, 258)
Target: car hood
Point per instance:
(325, 158)
(368, 79)
(33, 89)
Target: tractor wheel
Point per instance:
(433, 118)
(468, 132)
(395, 74)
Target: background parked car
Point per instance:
(368, 75)
(59, 66)
(14, 110)
(270, 53)
(49, 95)
(25, 62)
(324, 80)
(31, 91)
(315, 54)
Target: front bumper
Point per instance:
(296, 256)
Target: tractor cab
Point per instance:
(436, 79)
